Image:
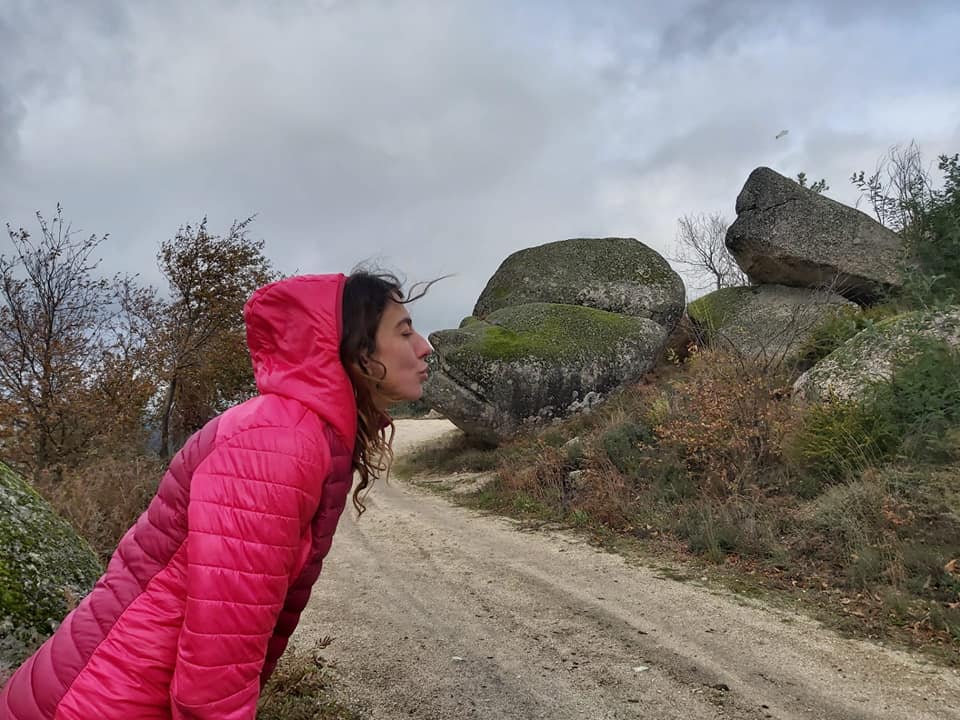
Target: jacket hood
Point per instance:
(293, 332)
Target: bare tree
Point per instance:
(53, 313)
(701, 248)
(899, 190)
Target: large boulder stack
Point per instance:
(807, 257)
(557, 328)
(45, 567)
(789, 235)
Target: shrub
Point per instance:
(922, 399)
(933, 241)
(836, 329)
(105, 496)
(670, 480)
(913, 414)
(851, 516)
(460, 454)
(709, 531)
(904, 198)
(726, 423)
(409, 409)
(623, 445)
(299, 689)
(543, 485)
(925, 571)
(838, 440)
(947, 619)
(857, 526)
(604, 495)
(740, 525)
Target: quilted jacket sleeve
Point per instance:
(250, 501)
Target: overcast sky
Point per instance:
(438, 136)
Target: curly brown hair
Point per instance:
(365, 296)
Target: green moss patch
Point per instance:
(543, 331)
(45, 567)
(712, 310)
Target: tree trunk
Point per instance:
(165, 418)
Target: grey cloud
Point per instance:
(11, 110)
(439, 137)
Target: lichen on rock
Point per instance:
(871, 355)
(45, 567)
(620, 275)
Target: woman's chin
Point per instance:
(412, 395)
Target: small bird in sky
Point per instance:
(781, 134)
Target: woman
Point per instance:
(202, 593)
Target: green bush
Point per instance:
(737, 525)
(409, 409)
(623, 442)
(837, 328)
(933, 242)
(671, 480)
(851, 516)
(922, 399)
(904, 199)
(854, 521)
(946, 618)
(915, 414)
(709, 531)
(461, 454)
(838, 440)
(924, 572)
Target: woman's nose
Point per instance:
(425, 348)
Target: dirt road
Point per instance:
(438, 612)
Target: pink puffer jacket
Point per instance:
(202, 593)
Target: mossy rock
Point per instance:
(532, 363)
(869, 356)
(764, 322)
(619, 275)
(45, 568)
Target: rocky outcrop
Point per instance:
(528, 364)
(786, 234)
(767, 323)
(869, 356)
(44, 568)
(556, 329)
(620, 275)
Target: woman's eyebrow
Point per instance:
(406, 321)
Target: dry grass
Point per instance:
(300, 688)
(105, 496)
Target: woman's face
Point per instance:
(402, 351)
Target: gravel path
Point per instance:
(439, 612)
